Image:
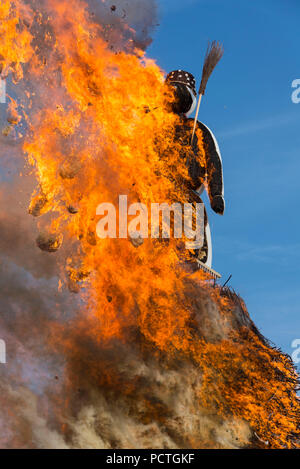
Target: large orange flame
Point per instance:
(103, 130)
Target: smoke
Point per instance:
(126, 395)
(122, 21)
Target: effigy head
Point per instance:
(184, 85)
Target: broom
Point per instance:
(213, 55)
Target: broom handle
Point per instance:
(196, 118)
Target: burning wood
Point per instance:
(7, 130)
(37, 205)
(73, 210)
(69, 169)
(136, 240)
(91, 237)
(49, 242)
(13, 117)
(75, 279)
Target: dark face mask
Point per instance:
(183, 99)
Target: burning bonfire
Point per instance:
(145, 355)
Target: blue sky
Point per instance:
(248, 106)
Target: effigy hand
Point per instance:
(218, 204)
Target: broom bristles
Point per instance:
(213, 55)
